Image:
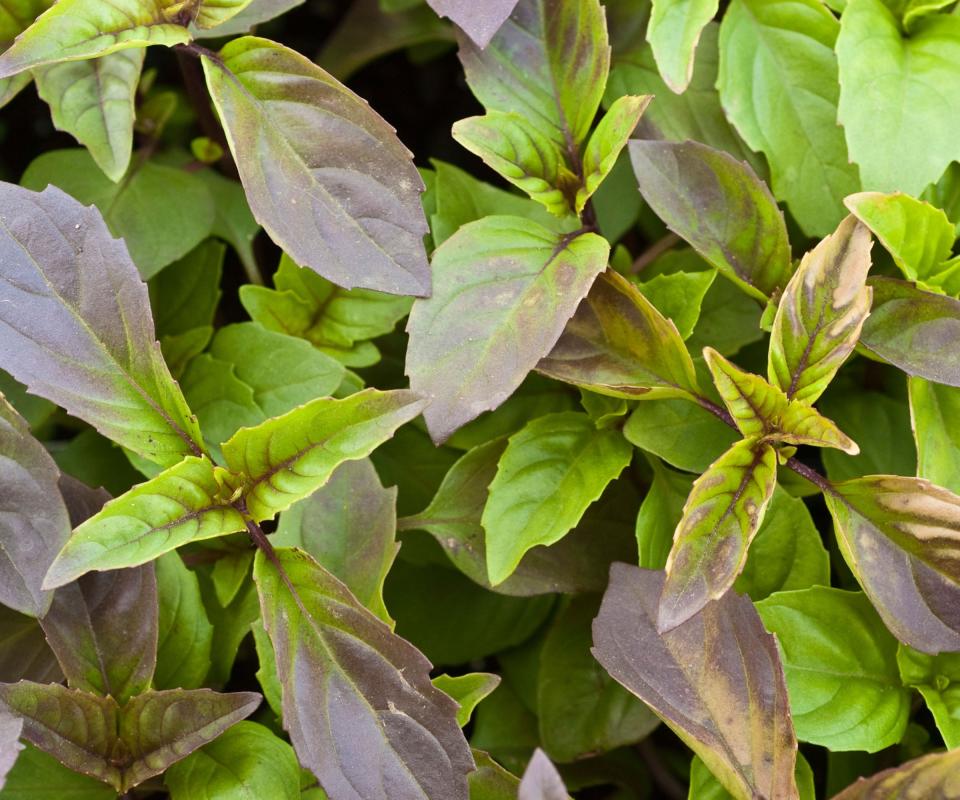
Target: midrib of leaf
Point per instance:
(194, 447)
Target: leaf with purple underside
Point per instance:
(541, 781)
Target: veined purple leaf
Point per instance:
(935, 776)
(504, 287)
(324, 174)
(358, 703)
(479, 21)
(716, 680)
(76, 325)
(901, 538)
(33, 520)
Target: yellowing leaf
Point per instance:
(935, 776)
(720, 518)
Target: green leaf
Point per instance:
(106, 85)
(185, 635)
(336, 321)
(349, 526)
(185, 295)
(720, 519)
(937, 678)
(898, 129)
(607, 142)
(356, 226)
(24, 652)
(548, 63)
(716, 680)
(576, 563)
(103, 629)
(720, 207)
(550, 472)
(683, 434)
(36, 774)
(778, 86)
(703, 786)
(504, 287)
(673, 33)
(212, 13)
(787, 552)
(187, 502)
(659, 515)
(16, 17)
(821, 313)
(930, 777)
(694, 114)
(541, 781)
(619, 344)
(246, 762)
(899, 536)
(287, 458)
(161, 213)
(90, 351)
(526, 156)
(917, 235)
(914, 330)
(507, 728)
(231, 624)
(232, 219)
(350, 686)
(935, 412)
(80, 29)
(468, 690)
(490, 781)
(761, 410)
(679, 296)
(479, 27)
(841, 668)
(34, 524)
(582, 711)
(122, 746)
(729, 320)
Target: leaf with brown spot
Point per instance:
(619, 344)
(821, 313)
(504, 287)
(716, 680)
(720, 518)
(935, 776)
(901, 538)
(761, 410)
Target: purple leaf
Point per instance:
(480, 21)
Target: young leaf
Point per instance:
(883, 121)
(778, 85)
(80, 29)
(582, 711)
(821, 313)
(914, 330)
(103, 629)
(480, 24)
(840, 663)
(618, 344)
(289, 457)
(716, 681)
(549, 64)
(679, 296)
(504, 287)
(33, 524)
(247, 762)
(187, 502)
(357, 226)
(551, 471)
(937, 678)
(184, 632)
(901, 538)
(607, 142)
(468, 690)
(720, 207)
(541, 781)
(357, 700)
(673, 33)
(349, 526)
(917, 235)
(720, 518)
(930, 777)
(69, 339)
(762, 410)
(144, 209)
(213, 13)
(523, 154)
(935, 412)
